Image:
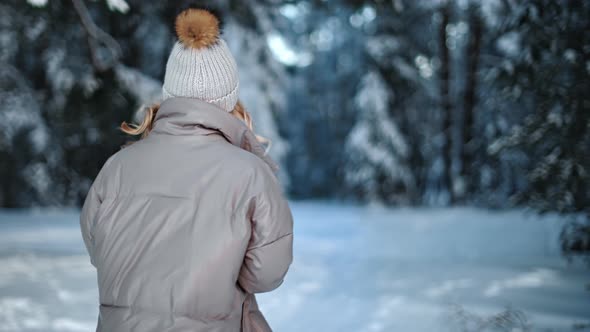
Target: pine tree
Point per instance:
(86, 67)
(549, 76)
(377, 167)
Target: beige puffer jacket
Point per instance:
(185, 225)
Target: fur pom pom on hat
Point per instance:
(201, 65)
(197, 28)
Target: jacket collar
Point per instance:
(189, 116)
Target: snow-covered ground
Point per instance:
(355, 269)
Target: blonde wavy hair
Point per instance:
(143, 129)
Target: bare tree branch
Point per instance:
(144, 88)
(96, 37)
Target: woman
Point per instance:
(186, 224)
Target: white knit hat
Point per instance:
(201, 65)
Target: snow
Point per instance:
(284, 53)
(118, 5)
(363, 16)
(37, 3)
(510, 44)
(382, 46)
(355, 269)
(294, 11)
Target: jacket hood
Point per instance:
(189, 116)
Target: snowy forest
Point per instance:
(451, 113)
(432, 103)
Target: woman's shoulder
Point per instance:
(246, 161)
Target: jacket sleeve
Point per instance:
(87, 216)
(270, 250)
(89, 212)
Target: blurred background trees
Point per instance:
(400, 102)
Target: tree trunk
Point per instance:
(445, 99)
(468, 146)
